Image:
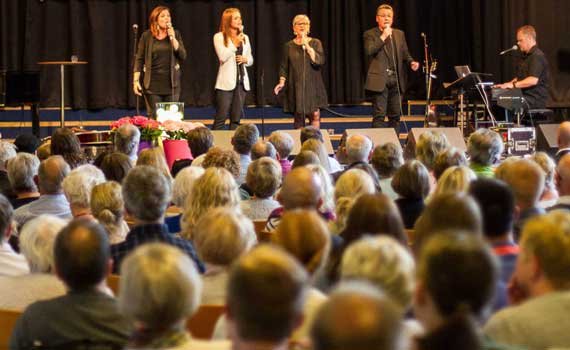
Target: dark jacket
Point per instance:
(377, 59)
(143, 60)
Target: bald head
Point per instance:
(356, 320)
(51, 173)
(301, 189)
(563, 135)
(563, 176)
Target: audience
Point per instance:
(7, 152)
(36, 243)
(353, 183)
(386, 160)
(266, 295)
(356, 151)
(449, 157)
(412, 184)
(357, 317)
(484, 148)
(146, 192)
(305, 158)
(263, 148)
(429, 145)
(454, 179)
(283, 143)
(116, 166)
(221, 236)
(318, 148)
(126, 140)
(223, 158)
(52, 201)
(540, 288)
(11, 263)
(245, 136)
(200, 140)
(86, 314)
(154, 157)
(65, 143)
(22, 171)
(263, 179)
(77, 187)
(108, 208)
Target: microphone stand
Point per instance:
(427, 70)
(262, 106)
(136, 32)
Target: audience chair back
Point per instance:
(8, 320)
(201, 325)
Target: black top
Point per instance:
(534, 64)
(303, 74)
(160, 83)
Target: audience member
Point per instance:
(484, 148)
(115, 166)
(386, 160)
(263, 179)
(526, 179)
(562, 183)
(221, 236)
(318, 148)
(27, 143)
(266, 295)
(356, 151)
(160, 289)
(454, 179)
(449, 157)
(52, 201)
(412, 184)
(200, 140)
(327, 188)
(357, 317)
(22, 171)
(65, 143)
(183, 184)
(353, 183)
(563, 140)
(457, 273)
(549, 194)
(305, 158)
(36, 243)
(44, 151)
(126, 140)
(216, 188)
(154, 157)
(283, 143)
(11, 263)
(245, 136)
(7, 152)
(146, 192)
(540, 288)
(263, 148)
(86, 314)
(223, 158)
(77, 187)
(449, 211)
(429, 145)
(108, 207)
(311, 132)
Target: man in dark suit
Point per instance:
(387, 53)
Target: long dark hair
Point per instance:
(66, 144)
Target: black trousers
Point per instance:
(387, 104)
(229, 102)
(151, 100)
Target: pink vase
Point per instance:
(175, 150)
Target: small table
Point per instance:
(62, 65)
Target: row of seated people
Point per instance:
(354, 229)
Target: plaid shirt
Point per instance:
(142, 234)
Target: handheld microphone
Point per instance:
(240, 31)
(135, 27)
(423, 35)
(169, 26)
(515, 47)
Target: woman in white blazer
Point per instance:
(234, 53)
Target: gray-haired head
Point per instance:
(127, 138)
(263, 148)
(283, 143)
(358, 148)
(7, 151)
(78, 185)
(244, 138)
(21, 171)
(485, 147)
(183, 184)
(146, 192)
(37, 239)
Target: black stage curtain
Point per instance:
(100, 31)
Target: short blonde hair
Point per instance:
(547, 237)
(301, 17)
(547, 165)
(384, 262)
(318, 148)
(222, 235)
(304, 234)
(154, 157)
(216, 188)
(429, 145)
(159, 286)
(455, 179)
(353, 183)
(263, 177)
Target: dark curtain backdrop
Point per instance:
(100, 32)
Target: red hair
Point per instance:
(153, 19)
(225, 23)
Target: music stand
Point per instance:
(62, 65)
(465, 82)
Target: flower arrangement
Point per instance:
(178, 130)
(151, 130)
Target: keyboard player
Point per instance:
(531, 72)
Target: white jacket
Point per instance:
(227, 73)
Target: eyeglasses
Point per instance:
(302, 24)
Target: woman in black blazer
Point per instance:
(159, 54)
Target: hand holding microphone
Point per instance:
(386, 32)
(170, 31)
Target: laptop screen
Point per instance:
(462, 71)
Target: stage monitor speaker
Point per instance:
(378, 136)
(223, 138)
(546, 139)
(296, 135)
(453, 135)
